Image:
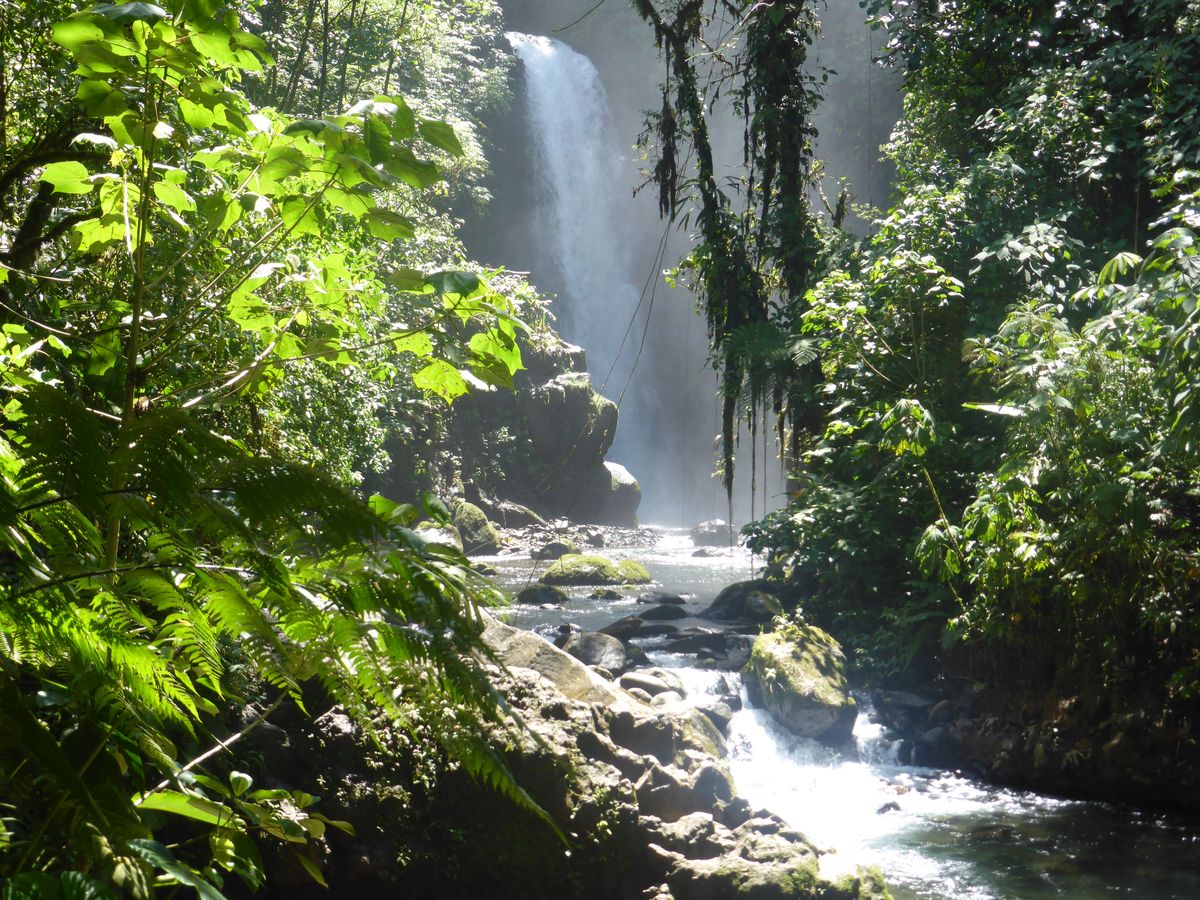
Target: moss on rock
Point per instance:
(798, 674)
(478, 534)
(575, 568)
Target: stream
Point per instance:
(933, 833)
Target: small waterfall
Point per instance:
(579, 164)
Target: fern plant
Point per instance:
(208, 245)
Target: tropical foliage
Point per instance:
(193, 285)
(994, 468)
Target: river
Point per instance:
(933, 833)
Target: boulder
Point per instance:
(605, 594)
(575, 568)
(595, 649)
(440, 534)
(514, 515)
(664, 613)
(555, 549)
(479, 536)
(658, 597)
(798, 675)
(713, 533)
(623, 629)
(539, 594)
(606, 495)
(570, 425)
(755, 601)
(651, 684)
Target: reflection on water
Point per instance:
(934, 834)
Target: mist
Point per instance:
(566, 209)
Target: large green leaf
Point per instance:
(192, 807)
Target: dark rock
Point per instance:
(555, 549)
(657, 597)
(538, 594)
(607, 494)
(605, 594)
(666, 612)
(733, 604)
(658, 629)
(623, 629)
(595, 537)
(695, 640)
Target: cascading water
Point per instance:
(590, 242)
(935, 834)
(577, 165)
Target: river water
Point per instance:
(933, 833)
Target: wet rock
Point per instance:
(707, 552)
(798, 675)
(582, 569)
(539, 594)
(657, 597)
(479, 536)
(713, 533)
(641, 694)
(663, 613)
(595, 537)
(605, 594)
(734, 603)
(696, 640)
(667, 698)
(658, 629)
(623, 629)
(719, 712)
(651, 684)
(595, 649)
(514, 515)
(555, 549)
(440, 534)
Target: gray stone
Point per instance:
(595, 649)
(651, 684)
(623, 629)
(555, 548)
(713, 533)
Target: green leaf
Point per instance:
(419, 344)
(187, 805)
(76, 32)
(68, 177)
(240, 782)
(411, 281)
(174, 196)
(389, 226)
(442, 136)
(441, 378)
(157, 855)
(311, 868)
(464, 284)
(417, 173)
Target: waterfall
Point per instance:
(578, 164)
(574, 223)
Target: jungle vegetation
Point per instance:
(990, 402)
(231, 295)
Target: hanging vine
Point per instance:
(756, 250)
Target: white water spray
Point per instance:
(579, 164)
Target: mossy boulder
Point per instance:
(756, 601)
(798, 674)
(479, 536)
(541, 594)
(435, 533)
(576, 568)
